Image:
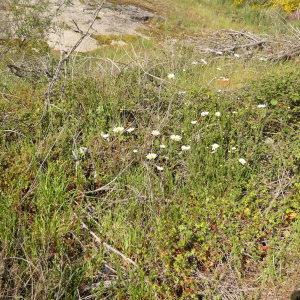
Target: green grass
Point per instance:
(204, 227)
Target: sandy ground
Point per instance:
(112, 20)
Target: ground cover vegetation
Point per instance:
(153, 170)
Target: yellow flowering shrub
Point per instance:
(287, 5)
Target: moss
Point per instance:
(108, 39)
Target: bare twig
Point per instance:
(64, 59)
(107, 246)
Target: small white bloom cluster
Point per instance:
(214, 147)
(242, 161)
(261, 105)
(171, 76)
(155, 132)
(204, 113)
(118, 129)
(175, 137)
(151, 156)
(185, 147)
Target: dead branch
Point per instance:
(64, 59)
(107, 246)
(288, 55)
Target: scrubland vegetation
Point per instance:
(156, 170)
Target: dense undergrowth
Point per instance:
(213, 213)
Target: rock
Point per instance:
(112, 20)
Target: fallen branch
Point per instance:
(287, 55)
(107, 246)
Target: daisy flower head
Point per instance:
(162, 146)
(130, 129)
(151, 156)
(242, 161)
(204, 113)
(135, 150)
(194, 122)
(175, 137)
(185, 147)
(261, 105)
(218, 114)
(105, 136)
(214, 147)
(155, 132)
(118, 129)
(159, 168)
(171, 76)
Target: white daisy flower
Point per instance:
(105, 136)
(214, 147)
(171, 76)
(261, 106)
(204, 113)
(175, 137)
(151, 156)
(162, 146)
(155, 132)
(119, 129)
(218, 114)
(130, 129)
(194, 122)
(269, 141)
(185, 147)
(242, 161)
(159, 168)
(233, 148)
(184, 70)
(135, 150)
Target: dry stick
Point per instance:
(244, 34)
(107, 246)
(287, 55)
(66, 57)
